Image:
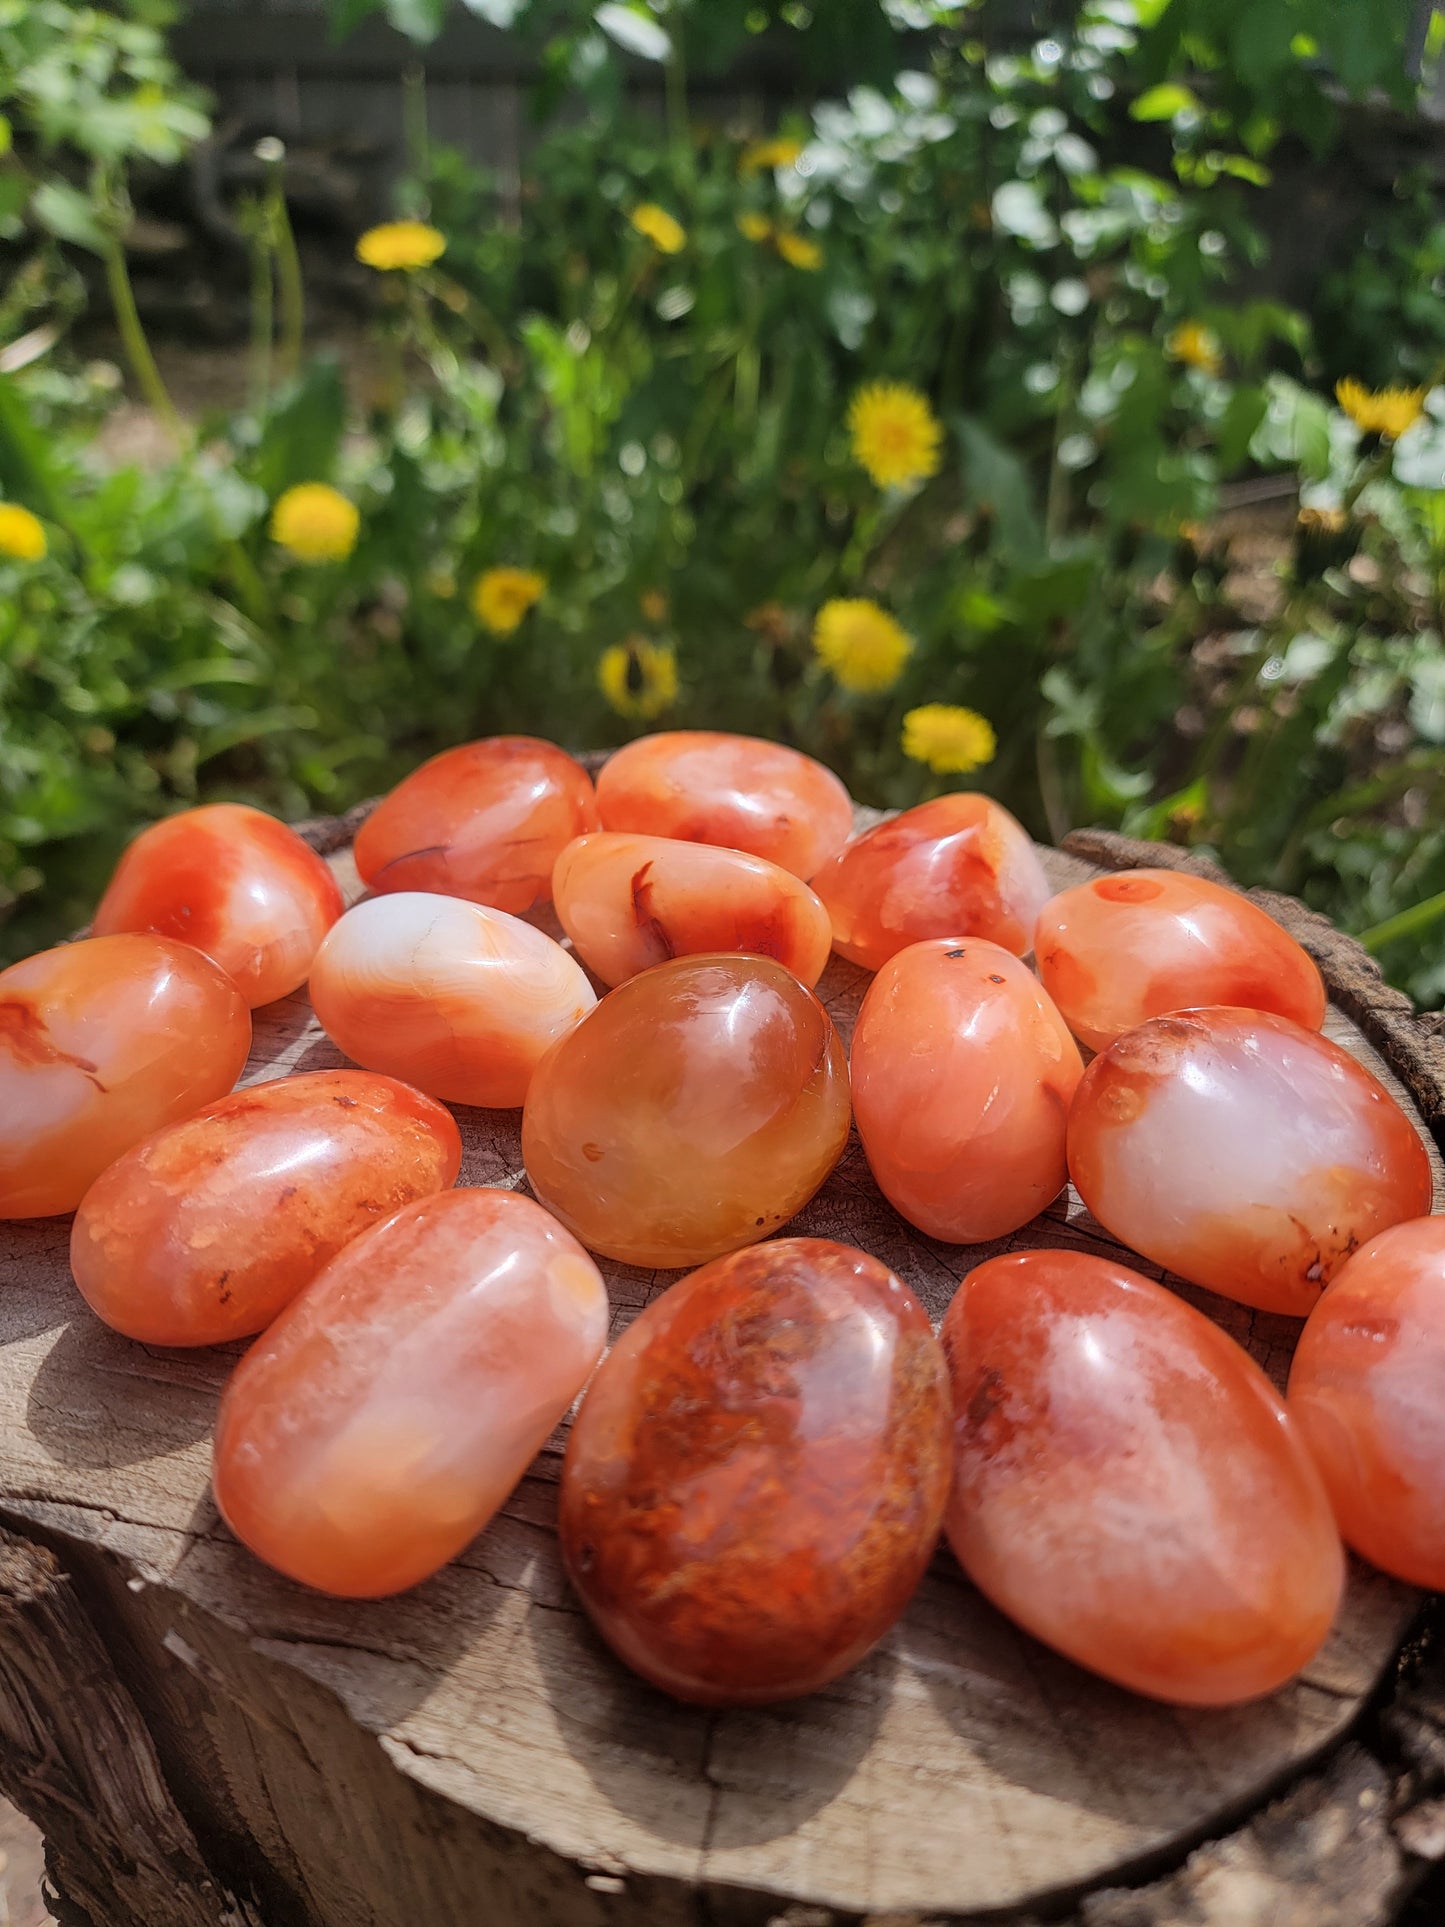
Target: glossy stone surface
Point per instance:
(101, 1043)
(1118, 950)
(1367, 1390)
(959, 866)
(1244, 1152)
(1128, 1486)
(207, 1230)
(737, 791)
(628, 902)
(378, 1425)
(755, 1481)
(962, 1074)
(235, 883)
(457, 999)
(484, 821)
(695, 1110)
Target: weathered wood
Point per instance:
(470, 1751)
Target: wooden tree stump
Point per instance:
(208, 1745)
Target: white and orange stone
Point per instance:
(453, 997)
(1244, 1152)
(234, 882)
(205, 1231)
(1118, 950)
(1128, 1486)
(737, 791)
(101, 1043)
(628, 902)
(959, 866)
(378, 1425)
(963, 1072)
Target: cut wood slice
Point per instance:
(222, 1746)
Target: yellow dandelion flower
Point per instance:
(755, 227)
(401, 244)
(315, 522)
(638, 677)
(655, 224)
(501, 597)
(22, 536)
(1197, 346)
(781, 151)
(896, 435)
(948, 739)
(653, 604)
(1382, 411)
(861, 644)
(798, 251)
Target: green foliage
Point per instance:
(663, 437)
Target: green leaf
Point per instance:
(26, 474)
(301, 436)
(419, 20)
(1165, 102)
(66, 213)
(634, 30)
(1244, 169)
(1242, 416)
(996, 481)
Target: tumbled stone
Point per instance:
(695, 1110)
(388, 1413)
(755, 1481)
(101, 1043)
(207, 1230)
(1128, 1486)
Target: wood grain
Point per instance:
(470, 1751)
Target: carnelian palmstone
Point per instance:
(628, 902)
(235, 883)
(738, 791)
(484, 821)
(1367, 1390)
(1118, 950)
(204, 1232)
(962, 1074)
(755, 1481)
(959, 866)
(457, 999)
(695, 1110)
(392, 1408)
(1243, 1152)
(1128, 1486)
(101, 1043)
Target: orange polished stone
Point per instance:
(1128, 1486)
(959, 866)
(485, 821)
(695, 1110)
(1244, 1152)
(1367, 1390)
(755, 1481)
(101, 1043)
(455, 998)
(628, 902)
(1118, 950)
(204, 1232)
(235, 883)
(962, 1075)
(737, 791)
(378, 1425)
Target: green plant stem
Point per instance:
(133, 337)
(263, 317)
(414, 123)
(289, 285)
(675, 88)
(1408, 923)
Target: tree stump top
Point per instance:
(472, 1746)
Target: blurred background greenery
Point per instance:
(599, 463)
